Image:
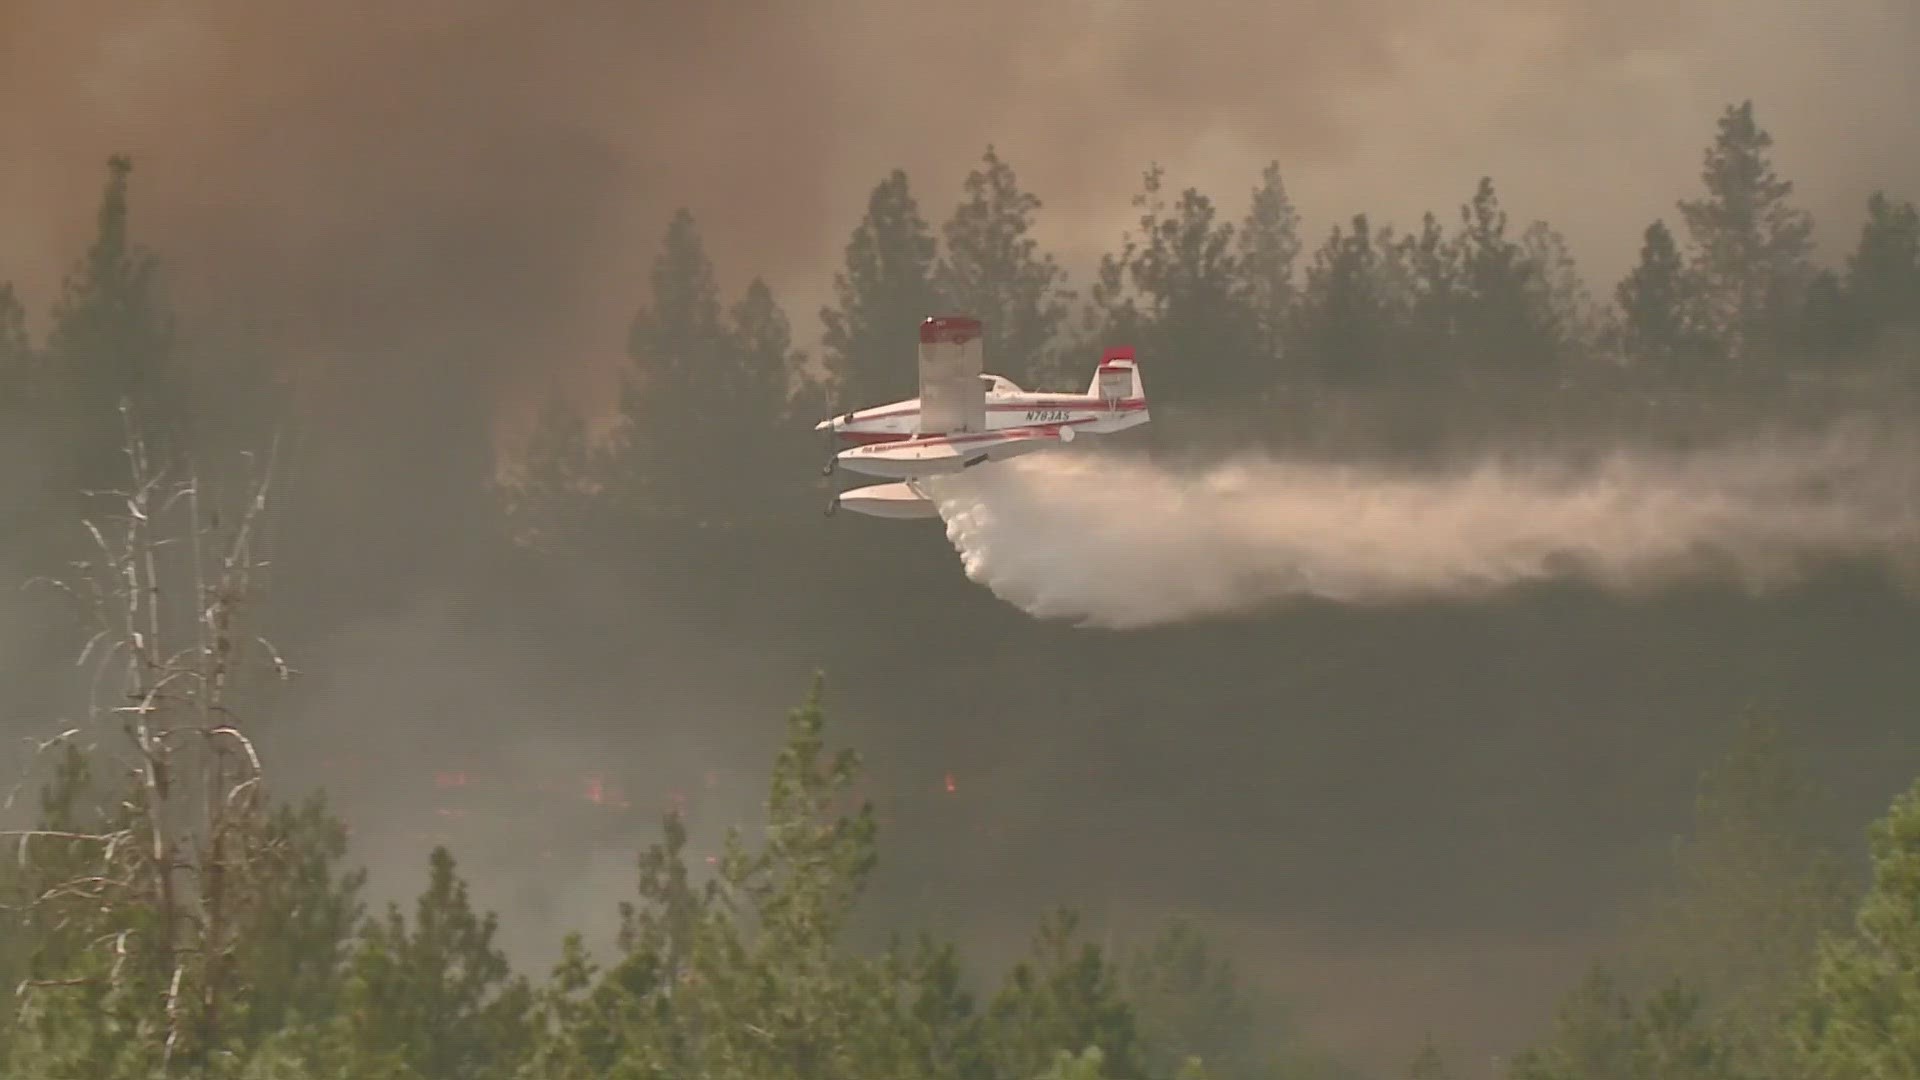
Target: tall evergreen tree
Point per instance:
(885, 289)
(993, 269)
(1506, 323)
(1657, 307)
(697, 367)
(1189, 1003)
(1878, 300)
(16, 355)
(553, 501)
(1599, 1032)
(301, 933)
(1060, 998)
(437, 995)
(1422, 294)
(112, 339)
(1268, 248)
(1176, 292)
(1751, 246)
(1754, 892)
(1861, 1017)
(1883, 273)
(1344, 323)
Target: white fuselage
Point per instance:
(890, 441)
(1007, 407)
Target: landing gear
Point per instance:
(833, 506)
(833, 463)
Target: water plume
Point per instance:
(1120, 540)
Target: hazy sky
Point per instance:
(314, 164)
(449, 204)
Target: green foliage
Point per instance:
(18, 377)
(885, 289)
(553, 502)
(1058, 998)
(1861, 1018)
(436, 996)
(994, 270)
(1754, 891)
(1176, 291)
(1512, 316)
(743, 975)
(1751, 261)
(1268, 249)
(1088, 1064)
(1877, 303)
(1420, 285)
(1189, 1003)
(1344, 330)
(1598, 1032)
(112, 338)
(1658, 303)
(696, 366)
(299, 933)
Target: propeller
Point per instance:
(832, 444)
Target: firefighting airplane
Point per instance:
(966, 417)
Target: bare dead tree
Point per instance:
(176, 845)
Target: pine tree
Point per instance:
(1189, 1004)
(1507, 327)
(1754, 892)
(1345, 329)
(1268, 248)
(1060, 998)
(696, 367)
(745, 974)
(1751, 246)
(993, 270)
(552, 503)
(436, 995)
(669, 393)
(1599, 1032)
(301, 931)
(882, 294)
(17, 374)
(1175, 291)
(1883, 273)
(1861, 1017)
(1877, 302)
(1421, 291)
(1657, 303)
(112, 339)
(774, 405)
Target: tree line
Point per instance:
(172, 914)
(1235, 318)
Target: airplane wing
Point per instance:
(934, 455)
(953, 397)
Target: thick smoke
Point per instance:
(1119, 541)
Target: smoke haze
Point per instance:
(425, 215)
(1117, 541)
(352, 170)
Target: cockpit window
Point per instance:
(999, 385)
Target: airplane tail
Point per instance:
(1118, 377)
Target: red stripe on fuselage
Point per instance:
(1071, 403)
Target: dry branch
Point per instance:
(167, 859)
